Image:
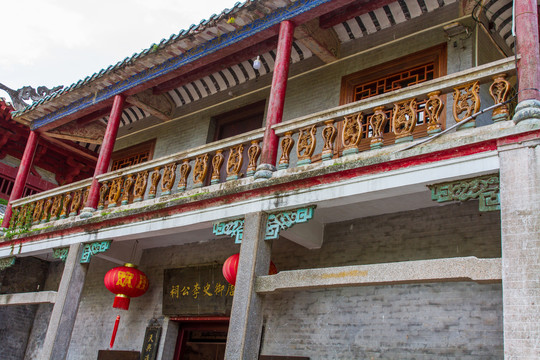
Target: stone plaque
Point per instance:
(196, 291)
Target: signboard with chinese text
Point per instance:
(151, 343)
(196, 291)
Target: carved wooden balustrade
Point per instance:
(398, 116)
(366, 124)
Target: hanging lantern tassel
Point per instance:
(115, 329)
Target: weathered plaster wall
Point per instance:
(454, 311)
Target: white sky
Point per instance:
(58, 42)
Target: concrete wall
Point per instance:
(439, 319)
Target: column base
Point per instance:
(86, 213)
(264, 171)
(527, 110)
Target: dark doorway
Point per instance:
(201, 338)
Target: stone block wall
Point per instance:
(26, 275)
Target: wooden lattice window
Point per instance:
(401, 73)
(133, 155)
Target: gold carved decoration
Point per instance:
(85, 198)
(128, 183)
(139, 187)
(76, 203)
(329, 133)
(286, 147)
(65, 205)
(56, 207)
(306, 144)
(499, 92)
(169, 175)
(103, 194)
(235, 161)
(200, 170)
(185, 168)
(466, 102)
(254, 152)
(21, 216)
(377, 121)
(154, 180)
(217, 161)
(38, 210)
(404, 119)
(46, 209)
(114, 191)
(432, 110)
(352, 133)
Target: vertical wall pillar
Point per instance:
(527, 46)
(104, 154)
(64, 313)
(277, 101)
(520, 236)
(243, 339)
(22, 174)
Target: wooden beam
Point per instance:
(39, 297)
(216, 66)
(70, 148)
(90, 133)
(159, 105)
(356, 8)
(323, 43)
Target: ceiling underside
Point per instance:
(498, 12)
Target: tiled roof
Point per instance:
(204, 29)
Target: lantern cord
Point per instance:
(115, 329)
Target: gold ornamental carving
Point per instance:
(139, 188)
(329, 133)
(254, 151)
(217, 162)
(38, 210)
(466, 102)
(169, 176)
(306, 144)
(432, 110)
(200, 169)
(377, 121)
(103, 194)
(499, 90)
(404, 119)
(185, 168)
(46, 210)
(65, 205)
(352, 133)
(154, 180)
(56, 207)
(286, 146)
(76, 203)
(235, 161)
(126, 191)
(114, 191)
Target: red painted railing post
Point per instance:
(104, 154)
(277, 101)
(528, 67)
(22, 174)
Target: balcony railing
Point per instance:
(347, 129)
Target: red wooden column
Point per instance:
(527, 46)
(276, 101)
(22, 174)
(104, 154)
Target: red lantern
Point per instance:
(126, 282)
(230, 268)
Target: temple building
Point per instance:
(288, 179)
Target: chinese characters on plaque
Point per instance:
(151, 343)
(196, 290)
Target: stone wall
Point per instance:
(26, 275)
